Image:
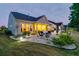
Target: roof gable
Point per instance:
(43, 19)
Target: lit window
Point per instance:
(39, 27)
(27, 27)
(23, 27)
(43, 27)
(35, 27)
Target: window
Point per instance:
(27, 27)
(23, 27)
(44, 28)
(39, 27)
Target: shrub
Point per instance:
(5, 31)
(8, 32)
(2, 29)
(63, 39)
(26, 33)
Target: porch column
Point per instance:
(57, 29)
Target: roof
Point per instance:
(21, 16)
(65, 26)
(55, 23)
(51, 22)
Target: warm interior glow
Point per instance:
(27, 27)
(44, 28)
(49, 28)
(39, 27)
(36, 27)
(23, 27)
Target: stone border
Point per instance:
(74, 46)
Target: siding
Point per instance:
(43, 20)
(12, 24)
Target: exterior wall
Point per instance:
(61, 28)
(12, 24)
(43, 20)
(53, 26)
(18, 25)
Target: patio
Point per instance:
(44, 40)
(38, 39)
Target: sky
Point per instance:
(57, 12)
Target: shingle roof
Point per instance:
(51, 22)
(55, 23)
(21, 16)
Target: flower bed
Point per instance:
(64, 41)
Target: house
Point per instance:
(19, 23)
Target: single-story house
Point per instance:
(19, 23)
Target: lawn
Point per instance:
(12, 47)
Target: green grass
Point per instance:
(10, 47)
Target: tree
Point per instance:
(74, 16)
(2, 29)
